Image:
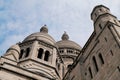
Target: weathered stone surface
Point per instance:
(40, 57)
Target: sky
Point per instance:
(20, 18)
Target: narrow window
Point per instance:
(95, 63)
(71, 51)
(63, 70)
(69, 66)
(21, 54)
(56, 61)
(118, 68)
(100, 26)
(40, 53)
(100, 9)
(67, 51)
(85, 73)
(61, 51)
(90, 71)
(95, 15)
(111, 52)
(105, 39)
(58, 66)
(115, 21)
(27, 52)
(47, 54)
(101, 58)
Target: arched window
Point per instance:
(90, 71)
(69, 66)
(62, 70)
(101, 58)
(21, 53)
(27, 52)
(100, 26)
(47, 54)
(61, 51)
(58, 66)
(40, 53)
(95, 63)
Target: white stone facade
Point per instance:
(40, 57)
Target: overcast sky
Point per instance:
(20, 18)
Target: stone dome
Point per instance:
(66, 43)
(42, 36)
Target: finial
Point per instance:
(44, 29)
(65, 36)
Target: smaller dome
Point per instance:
(15, 47)
(44, 29)
(13, 52)
(66, 43)
(42, 35)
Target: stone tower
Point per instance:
(100, 59)
(40, 57)
(69, 50)
(37, 55)
(101, 16)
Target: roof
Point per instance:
(42, 36)
(66, 43)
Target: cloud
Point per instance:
(18, 19)
(9, 41)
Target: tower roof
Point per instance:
(42, 36)
(98, 6)
(66, 43)
(99, 10)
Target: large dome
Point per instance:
(66, 43)
(42, 36)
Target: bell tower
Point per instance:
(40, 55)
(101, 16)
